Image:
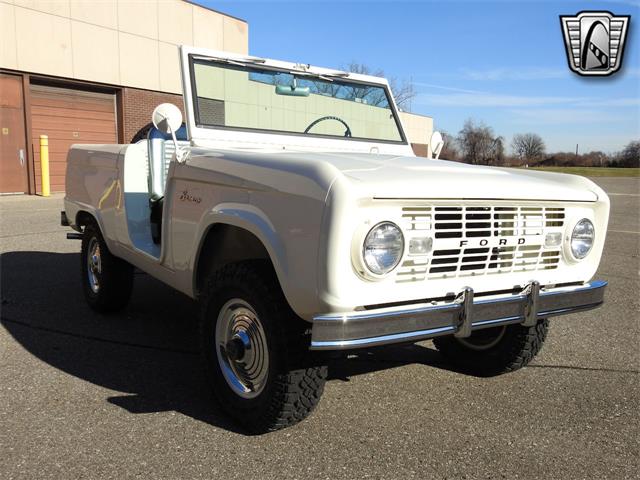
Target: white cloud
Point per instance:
(615, 102)
(531, 73)
(490, 100)
(475, 98)
(563, 116)
(521, 73)
(512, 74)
(444, 87)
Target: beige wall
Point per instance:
(131, 43)
(417, 127)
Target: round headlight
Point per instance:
(582, 238)
(383, 248)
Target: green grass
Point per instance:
(594, 171)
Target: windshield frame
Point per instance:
(262, 66)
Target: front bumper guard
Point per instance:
(345, 331)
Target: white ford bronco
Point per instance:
(292, 208)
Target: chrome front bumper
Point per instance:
(344, 331)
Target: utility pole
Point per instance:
(576, 150)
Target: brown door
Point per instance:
(13, 155)
(68, 116)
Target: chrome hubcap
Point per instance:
(241, 347)
(94, 265)
(484, 339)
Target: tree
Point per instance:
(403, 92)
(630, 156)
(449, 150)
(528, 147)
(479, 145)
(498, 150)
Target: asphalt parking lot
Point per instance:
(87, 396)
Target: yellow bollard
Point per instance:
(44, 165)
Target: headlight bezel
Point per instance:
(366, 269)
(571, 239)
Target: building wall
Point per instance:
(125, 48)
(137, 106)
(418, 129)
(130, 43)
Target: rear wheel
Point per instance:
(494, 351)
(107, 281)
(255, 349)
(142, 134)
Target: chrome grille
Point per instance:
(451, 226)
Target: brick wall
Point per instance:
(138, 106)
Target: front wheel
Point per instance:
(107, 280)
(494, 351)
(255, 349)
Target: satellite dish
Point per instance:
(167, 118)
(436, 143)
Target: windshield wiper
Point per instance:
(241, 63)
(299, 68)
(328, 77)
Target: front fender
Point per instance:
(247, 217)
(296, 274)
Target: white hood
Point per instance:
(391, 176)
(386, 176)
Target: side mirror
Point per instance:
(436, 143)
(167, 118)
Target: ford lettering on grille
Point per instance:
(481, 240)
(493, 242)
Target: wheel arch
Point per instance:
(224, 243)
(83, 218)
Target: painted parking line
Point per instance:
(624, 194)
(624, 231)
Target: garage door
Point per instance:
(68, 116)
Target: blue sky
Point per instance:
(502, 63)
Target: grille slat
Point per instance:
(474, 224)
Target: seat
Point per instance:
(160, 153)
(161, 150)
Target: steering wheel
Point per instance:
(347, 132)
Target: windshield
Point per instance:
(254, 98)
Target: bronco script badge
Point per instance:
(594, 41)
(185, 196)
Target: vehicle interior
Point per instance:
(159, 153)
(146, 169)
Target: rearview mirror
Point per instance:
(167, 118)
(292, 91)
(436, 143)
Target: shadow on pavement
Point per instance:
(147, 354)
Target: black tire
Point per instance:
(293, 383)
(114, 277)
(494, 351)
(142, 134)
